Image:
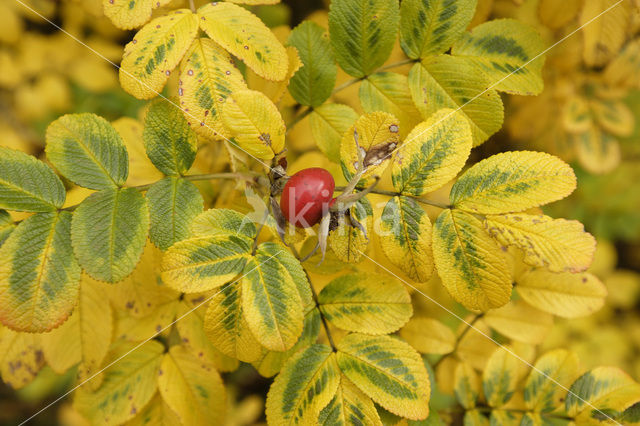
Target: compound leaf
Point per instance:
(328, 123)
(366, 303)
(246, 37)
(556, 244)
(155, 51)
(169, 141)
(511, 182)
(434, 153)
(430, 28)
(389, 371)
(407, 240)
(429, 336)
(27, 184)
(363, 33)
(471, 265)
(39, 277)
(109, 231)
(88, 151)
(173, 204)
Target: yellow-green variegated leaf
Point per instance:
(366, 303)
(85, 337)
(375, 136)
(293, 268)
(254, 123)
(227, 328)
(604, 25)
(254, 2)
(362, 33)
(471, 265)
(6, 226)
(349, 406)
(389, 371)
(306, 384)
(109, 231)
(27, 184)
(430, 28)
(207, 77)
(434, 153)
(446, 81)
(607, 389)
(389, 92)
(203, 263)
(501, 376)
(521, 322)
(614, 116)
(39, 277)
(348, 242)
(156, 412)
(155, 51)
(509, 52)
(129, 14)
(128, 385)
(20, 357)
(191, 387)
(88, 151)
(597, 151)
(429, 336)
(170, 143)
(222, 221)
(246, 37)
(407, 237)
(576, 115)
(328, 123)
(565, 294)
(475, 418)
(466, 385)
(173, 204)
(542, 391)
(512, 182)
(556, 244)
(271, 302)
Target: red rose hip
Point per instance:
(306, 196)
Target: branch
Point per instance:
(395, 194)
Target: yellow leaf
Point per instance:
(374, 136)
(555, 14)
(129, 14)
(467, 385)
(347, 241)
(191, 387)
(566, 295)
(207, 77)
(254, 123)
(155, 51)
(511, 182)
(429, 336)
(598, 151)
(275, 90)
(576, 116)
(557, 244)
(133, 329)
(141, 169)
(328, 123)
(603, 37)
(520, 321)
(471, 265)
(20, 357)
(246, 37)
(614, 116)
(156, 412)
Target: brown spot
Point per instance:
(266, 138)
(393, 128)
(158, 26)
(160, 372)
(190, 72)
(133, 410)
(167, 72)
(129, 305)
(246, 47)
(227, 72)
(378, 153)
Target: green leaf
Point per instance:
(366, 303)
(27, 184)
(434, 153)
(363, 33)
(430, 27)
(109, 231)
(203, 263)
(471, 265)
(407, 237)
(306, 384)
(501, 48)
(512, 182)
(389, 371)
(173, 204)
(541, 390)
(88, 151)
(312, 84)
(170, 143)
(6, 226)
(127, 387)
(271, 302)
(348, 407)
(445, 81)
(500, 377)
(222, 221)
(39, 277)
(328, 123)
(389, 92)
(245, 36)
